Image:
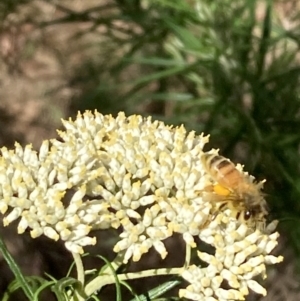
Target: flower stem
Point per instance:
(102, 280)
(16, 270)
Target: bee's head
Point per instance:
(255, 205)
(254, 217)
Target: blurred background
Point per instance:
(228, 68)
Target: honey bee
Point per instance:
(234, 190)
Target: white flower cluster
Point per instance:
(107, 172)
(239, 256)
(135, 173)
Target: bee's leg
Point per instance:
(214, 194)
(215, 201)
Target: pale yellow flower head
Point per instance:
(138, 175)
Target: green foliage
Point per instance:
(69, 288)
